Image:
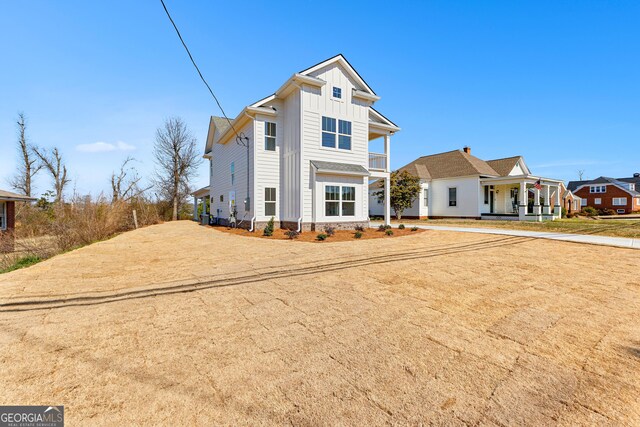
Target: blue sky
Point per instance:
(554, 81)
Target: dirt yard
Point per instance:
(178, 324)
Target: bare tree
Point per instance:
(176, 160)
(51, 161)
(124, 185)
(580, 174)
(29, 166)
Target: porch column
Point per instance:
(522, 207)
(387, 201)
(557, 209)
(195, 208)
(546, 208)
(537, 209)
(387, 151)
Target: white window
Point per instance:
(269, 136)
(597, 201)
(453, 196)
(638, 201)
(632, 187)
(583, 202)
(233, 173)
(598, 189)
(619, 201)
(337, 92)
(426, 197)
(621, 211)
(3, 216)
(339, 201)
(269, 201)
(332, 133)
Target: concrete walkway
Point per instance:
(620, 242)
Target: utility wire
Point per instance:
(240, 139)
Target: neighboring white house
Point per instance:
(457, 184)
(302, 154)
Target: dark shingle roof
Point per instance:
(573, 185)
(8, 195)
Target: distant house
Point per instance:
(305, 160)
(8, 217)
(457, 184)
(620, 194)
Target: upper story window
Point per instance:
(332, 133)
(269, 136)
(598, 189)
(337, 92)
(632, 187)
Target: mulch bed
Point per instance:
(311, 236)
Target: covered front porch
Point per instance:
(520, 198)
(201, 197)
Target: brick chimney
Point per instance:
(467, 149)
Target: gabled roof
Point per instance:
(574, 185)
(220, 123)
(8, 196)
(449, 165)
(504, 166)
(339, 58)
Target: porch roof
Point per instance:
(8, 196)
(517, 179)
(202, 192)
(339, 168)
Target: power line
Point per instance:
(240, 139)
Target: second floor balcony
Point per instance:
(378, 161)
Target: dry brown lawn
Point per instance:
(178, 324)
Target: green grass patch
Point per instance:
(22, 263)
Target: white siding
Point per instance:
(360, 185)
(290, 159)
(468, 197)
(222, 157)
(417, 209)
(267, 173)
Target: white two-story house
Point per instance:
(301, 155)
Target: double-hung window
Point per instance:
(339, 200)
(332, 133)
(597, 201)
(269, 136)
(583, 202)
(269, 201)
(426, 197)
(619, 201)
(453, 196)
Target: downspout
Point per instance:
(253, 220)
(299, 225)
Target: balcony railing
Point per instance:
(378, 161)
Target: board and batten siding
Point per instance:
(290, 159)
(319, 102)
(222, 157)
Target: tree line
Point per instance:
(175, 156)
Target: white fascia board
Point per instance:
(262, 110)
(366, 96)
(342, 61)
(384, 127)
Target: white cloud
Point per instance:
(100, 147)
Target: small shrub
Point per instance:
(268, 230)
(564, 212)
(389, 232)
(401, 227)
(589, 211)
(414, 228)
(383, 227)
(321, 237)
(292, 234)
(329, 231)
(358, 234)
(607, 211)
(359, 228)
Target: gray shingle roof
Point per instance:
(573, 185)
(341, 168)
(221, 124)
(504, 166)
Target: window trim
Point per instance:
(583, 202)
(269, 202)
(597, 189)
(613, 201)
(425, 197)
(233, 173)
(453, 203)
(333, 93)
(3, 214)
(337, 134)
(597, 201)
(268, 136)
(340, 200)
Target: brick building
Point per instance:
(621, 194)
(8, 217)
